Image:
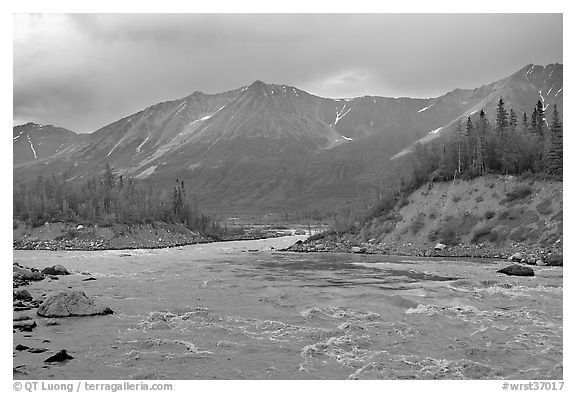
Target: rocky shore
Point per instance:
(66, 237)
(516, 252)
(32, 314)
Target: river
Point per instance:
(243, 310)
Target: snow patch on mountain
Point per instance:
(435, 131)
(423, 109)
(142, 144)
(147, 172)
(32, 147)
(339, 115)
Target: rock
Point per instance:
(531, 261)
(18, 318)
(24, 326)
(517, 270)
(21, 347)
(79, 227)
(26, 274)
(540, 262)
(37, 350)
(89, 279)
(67, 303)
(517, 257)
(358, 250)
(22, 295)
(55, 270)
(554, 260)
(439, 246)
(59, 357)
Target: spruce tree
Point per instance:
(513, 120)
(555, 149)
(501, 118)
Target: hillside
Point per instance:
(490, 216)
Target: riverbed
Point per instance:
(244, 310)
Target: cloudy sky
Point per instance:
(85, 71)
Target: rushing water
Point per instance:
(220, 311)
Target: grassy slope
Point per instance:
(476, 211)
(491, 216)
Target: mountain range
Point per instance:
(267, 147)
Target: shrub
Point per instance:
(403, 202)
(449, 237)
(545, 207)
(456, 198)
(479, 199)
(518, 192)
(389, 226)
(433, 235)
(319, 236)
(481, 233)
(504, 215)
(489, 214)
(417, 224)
(497, 237)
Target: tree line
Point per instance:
(106, 199)
(508, 146)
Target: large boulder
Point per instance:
(55, 270)
(68, 303)
(439, 246)
(358, 250)
(517, 270)
(26, 274)
(22, 295)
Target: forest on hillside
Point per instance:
(511, 145)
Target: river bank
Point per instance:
(74, 237)
(530, 254)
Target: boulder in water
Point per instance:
(68, 303)
(55, 270)
(22, 295)
(24, 326)
(26, 274)
(59, 357)
(517, 270)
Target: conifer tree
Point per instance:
(513, 120)
(555, 150)
(501, 118)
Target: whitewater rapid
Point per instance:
(243, 310)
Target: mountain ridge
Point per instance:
(270, 147)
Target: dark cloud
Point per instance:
(85, 71)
